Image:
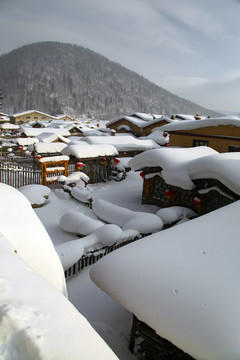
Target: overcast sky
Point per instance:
(189, 47)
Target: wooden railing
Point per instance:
(92, 257)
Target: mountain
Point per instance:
(61, 78)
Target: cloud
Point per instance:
(221, 94)
(182, 46)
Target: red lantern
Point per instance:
(79, 165)
(165, 134)
(197, 201)
(142, 174)
(103, 160)
(116, 160)
(20, 148)
(124, 153)
(170, 193)
(38, 157)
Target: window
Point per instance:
(200, 143)
(234, 148)
(27, 117)
(35, 117)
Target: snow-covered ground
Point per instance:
(111, 201)
(107, 317)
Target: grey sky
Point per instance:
(189, 47)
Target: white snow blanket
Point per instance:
(23, 229)
(47, 147)
(175, 213)
(78, 223)
(189, 291)
(70, 252)
(36, 194)
(37, 321)
(84, 151)
(143, 222)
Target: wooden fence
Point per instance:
(18, 175)
(92, 257)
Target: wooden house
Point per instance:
(94, 160)
(195, 178)
(137, 124)
(221, 134)
(30, 115)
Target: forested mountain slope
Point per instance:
(59, 78)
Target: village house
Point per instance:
(195, 178)
(138, 124)
(30, 115)
(221, 134)
(94, 160)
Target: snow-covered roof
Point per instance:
(44, 148)
(4, 118)
(30, 112)
(189, 117)
(26, 141)
(47, 136)
(32, 285)
(124, 142)
(29, 131)
(38, 321)
(182, 165)
(157, 136)
(188, 289)
(177, 125)
(54, 158)
(141, 121)
(9, 126)
(22, 228)
(84, 151)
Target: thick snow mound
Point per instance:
(75, 222)
(142, 222)
(175, 213)
(189, 291)
(36, 194)
(74, 177)
(37, 321)
(81, 193)
(23, 229)
(70, 252)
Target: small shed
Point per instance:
(52, 167)
(197, 178)
(94, 160)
